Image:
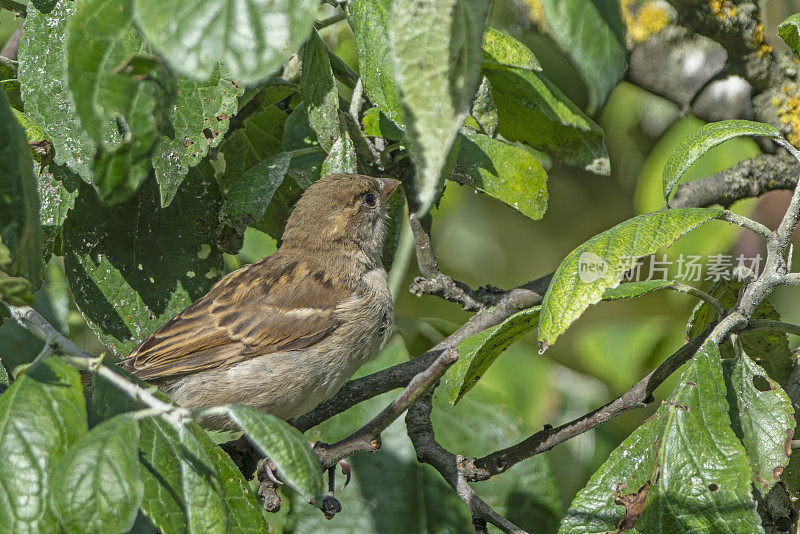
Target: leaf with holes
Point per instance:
(133, 266)
(199, 120)
(693, 146)
(762, 417)
(284, 445)
(251, 41)
(437, 57)
(41, 415)
(44, 87)
(97, 484)
(101, 39)
(478, 352)
(598, 264)
(503, 171)
(682, 470)
(789, 30)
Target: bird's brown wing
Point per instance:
(275, 304)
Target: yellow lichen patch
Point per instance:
(758, 34)
(788, 110)
(764, 49)
(722, 9)
(643, 20)
(535, 11)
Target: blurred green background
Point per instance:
(481, 241)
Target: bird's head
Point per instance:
(341, 211)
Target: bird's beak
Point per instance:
(388, 185)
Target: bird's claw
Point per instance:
(267, 475)
(347, 471)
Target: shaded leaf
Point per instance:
(101, 38)
(199, 120)
(533, 110)
(599, 263)
(762, 417)
(247, 200)
(44, 87)
(693, 146)
(41, 414)
(484, 110)
(133, 266)
(635, 289)
(503, 171)
(284, 445)
(478, 352)
(319, 91)
(250, 41)
(97, 485)
(371, 23)
(10, 83)
(789, 30)
(592, 34)
(502, 50)
(20, 232)
(685, 462)
(45, 6)
(436, 80)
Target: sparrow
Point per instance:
(285, 333)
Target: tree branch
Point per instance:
(638, 396)
(429, 451)
(368, 437)
(749, 178)
(18, 9)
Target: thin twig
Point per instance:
(748, 223)
(330, 21)
(700, 294)
(367, 438)
(429, 451)
(767, 324)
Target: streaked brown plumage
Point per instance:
(285, 333)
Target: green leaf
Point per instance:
(503, 171)
(532, 110)
(9, 81)
(599, 263)
(44, 87)
(693, 146)
(789, 30)
(251, 40)
(770, 348)
(133, 266)
(199, 120)
(284, 445)
(96, 485)
(437, 56)
(484, 110)
(592, 34)
(371, 23)
(685, 463)
(101, 39)
(635, 289)
(478, 352)
(762, 417)
(502, 50)
(249, 197)
(19, 202)
(320, 95)
(58, 189)
(376, 124)
(342, 156)
(41, 414)
(190, 484)
(259, 138)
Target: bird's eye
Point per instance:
(370, 200)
